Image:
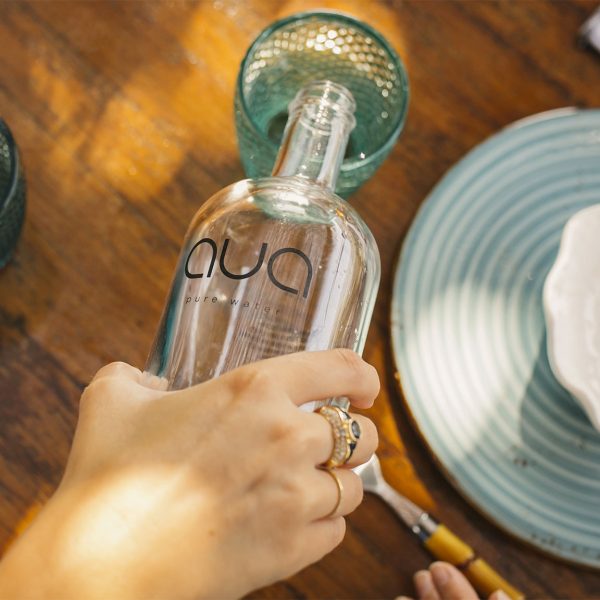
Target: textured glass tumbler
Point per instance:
(12, 194)
(311, 46)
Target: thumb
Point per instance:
(120, 370)
(125, 372)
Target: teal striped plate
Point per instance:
(468, 332)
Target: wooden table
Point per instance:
(123, 113)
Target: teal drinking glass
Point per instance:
(12, 194)
(312, 46)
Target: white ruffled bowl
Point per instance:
(572, 311)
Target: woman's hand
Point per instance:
(211, 491)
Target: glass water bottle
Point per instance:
(274, 265)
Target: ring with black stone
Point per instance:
(346, 433)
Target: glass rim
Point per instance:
(8, 191)
(353, 162)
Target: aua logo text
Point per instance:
(303, 262)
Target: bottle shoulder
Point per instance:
(292, 200)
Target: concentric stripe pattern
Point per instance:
(469, 338)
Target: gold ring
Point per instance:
(340, 488)
(346, 432)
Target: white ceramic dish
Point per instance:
(572, 311)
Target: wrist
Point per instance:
(24, 567)
(67, 552)
(85, 544)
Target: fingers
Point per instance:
(425, 586)
(328, 497)
(322, 537)
(447, 581)
(367, 443)
(118, 369)
(308, 376)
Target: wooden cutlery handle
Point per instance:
(486, 580)
(446, 546)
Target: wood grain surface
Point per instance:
(123, 113)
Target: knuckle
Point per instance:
(250, 380)
(288, 435)
(292, 488)
(280, 430)
(351, 360)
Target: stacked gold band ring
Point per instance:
(346, 432)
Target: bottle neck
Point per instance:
(316, 135)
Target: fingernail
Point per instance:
(499, 595)
(441, 573)
(423, 583)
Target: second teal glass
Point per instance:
(12, 194)
(311, 46)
